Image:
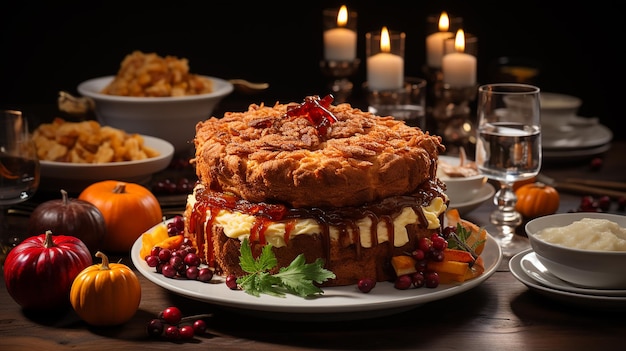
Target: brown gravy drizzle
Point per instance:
(342, 218)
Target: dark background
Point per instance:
(52, 46)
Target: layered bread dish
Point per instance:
(326, 181)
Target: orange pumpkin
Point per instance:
(536, 200)
(128, 209)
(106, 294)
(521, 183)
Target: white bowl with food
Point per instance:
(74, 177)
(587, 249)
(462, 178)
(171, 118)
(558, 110)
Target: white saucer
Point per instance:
(576, 137)
(485, 193)
(611, 303)
(537, 271)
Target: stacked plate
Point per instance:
(527, 269)
(485, 193)
(580, 139)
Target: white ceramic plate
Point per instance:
(577, 137)
(558, 102)
(566, 155)
(337, 303)
(74, 177)
(486, 193)
(594, 301)
(537, 271)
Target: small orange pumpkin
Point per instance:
(536, 200)
(128, 209)
(521, 183)
(106, 294)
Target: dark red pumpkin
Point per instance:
(72, 217)
(39, 272)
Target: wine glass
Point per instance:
(508, 149)
(19, 171)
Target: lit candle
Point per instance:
(459, 68)
(385, 71)
(340, 42)
(434, 42)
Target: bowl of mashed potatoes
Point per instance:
(585, 249)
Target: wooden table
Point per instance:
(499, 314)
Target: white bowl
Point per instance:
(74, 177)
(170, 118)
(558, 109)
(460, 189)
(599, 269)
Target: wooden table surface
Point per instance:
(499, 314)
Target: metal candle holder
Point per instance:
(453, 115)
(434, 76)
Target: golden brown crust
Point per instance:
(262, 155)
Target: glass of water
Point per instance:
(508, 149)
(19, 171)
(407, 103)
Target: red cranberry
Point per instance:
(231, 282)
(186, 332)
(172, 332)
(172, 315)
(431, 279)
(205, 274)
(199, 327)
(604, 203)
(596, 163)
(418, 254)
(403, 282)
(418, 279)
(366, 284)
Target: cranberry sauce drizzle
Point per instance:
(316, 111)
(342, 218)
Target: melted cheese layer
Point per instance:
(238, 225)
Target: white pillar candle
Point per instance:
(340, 42)
(435, 42)
(434, 47)
(385, 71)
(459, 68)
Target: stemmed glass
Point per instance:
(508, 149)
(19, 171)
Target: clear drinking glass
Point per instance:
(19, 171)
(508, 149)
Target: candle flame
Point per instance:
(342, 16)
(459, 41)
(385, 42)
(444, 22)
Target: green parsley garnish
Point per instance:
(297, 278)
(459, 241)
